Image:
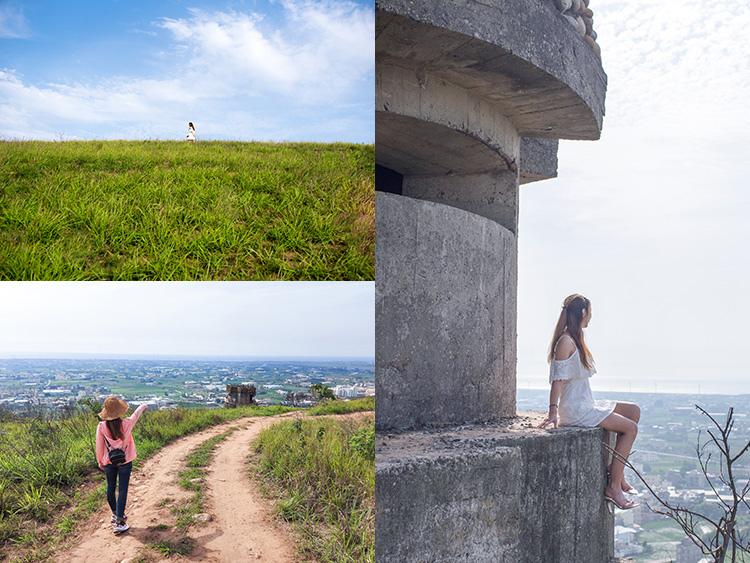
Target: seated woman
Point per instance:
(571, 366)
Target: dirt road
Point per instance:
(242, 528)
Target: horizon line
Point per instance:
(140, 356)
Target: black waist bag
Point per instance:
(116, 456)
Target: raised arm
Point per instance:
(137, 414)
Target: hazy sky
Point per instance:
(188, 318)
(238, 69)
(652, 221)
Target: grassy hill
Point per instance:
(166, 210)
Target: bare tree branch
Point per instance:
(735, 458)
(726, 537)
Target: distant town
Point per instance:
(665, 454)
(60, 383)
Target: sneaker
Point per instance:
(121, 527)
(114, 518)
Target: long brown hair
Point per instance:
(571, 318)
(115, 428)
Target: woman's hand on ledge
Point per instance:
(551, 419)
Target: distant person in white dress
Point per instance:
(571, 367)
(191, 132)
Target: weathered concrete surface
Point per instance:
(538, 160)
(493, 195)
(503, 492)
(445, 298)
(430, 126)
(520, 54)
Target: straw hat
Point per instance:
(113, 408)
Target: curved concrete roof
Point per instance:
(520, 55)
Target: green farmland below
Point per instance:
(166, 210)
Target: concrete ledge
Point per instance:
(501, 492)
(521, 55)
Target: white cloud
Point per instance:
(323, 52)
(235, 74)
(13, 24)
(674, 63)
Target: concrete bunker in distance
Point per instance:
(239, 395)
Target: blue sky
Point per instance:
(652, 222)
(297, 70)
(265, 319)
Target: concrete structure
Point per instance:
(471, 97)
(491, 493)
(238, 395)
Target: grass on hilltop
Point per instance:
(166, 210)
(343, 407)
(322, 474)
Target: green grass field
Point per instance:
(166, 210)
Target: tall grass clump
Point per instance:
(322, 472)
(343, 407)
(45, 460)
(148, 210)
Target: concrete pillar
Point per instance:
(446, 306)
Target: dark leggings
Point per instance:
(113, 473)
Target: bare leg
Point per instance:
(633, 412)
(627, 430)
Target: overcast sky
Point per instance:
(298, 70)
(652, 222)
(311, 319)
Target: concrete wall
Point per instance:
(493, 493)
(493, 194)
(427, 125)
(445, 303)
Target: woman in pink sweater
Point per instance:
(117, 434)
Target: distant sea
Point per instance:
(538, 399)
(177, 357)
(716, 384)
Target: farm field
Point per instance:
(166, 210)
(25, 381)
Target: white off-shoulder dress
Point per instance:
(577, 405)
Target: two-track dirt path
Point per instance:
(242, 528)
